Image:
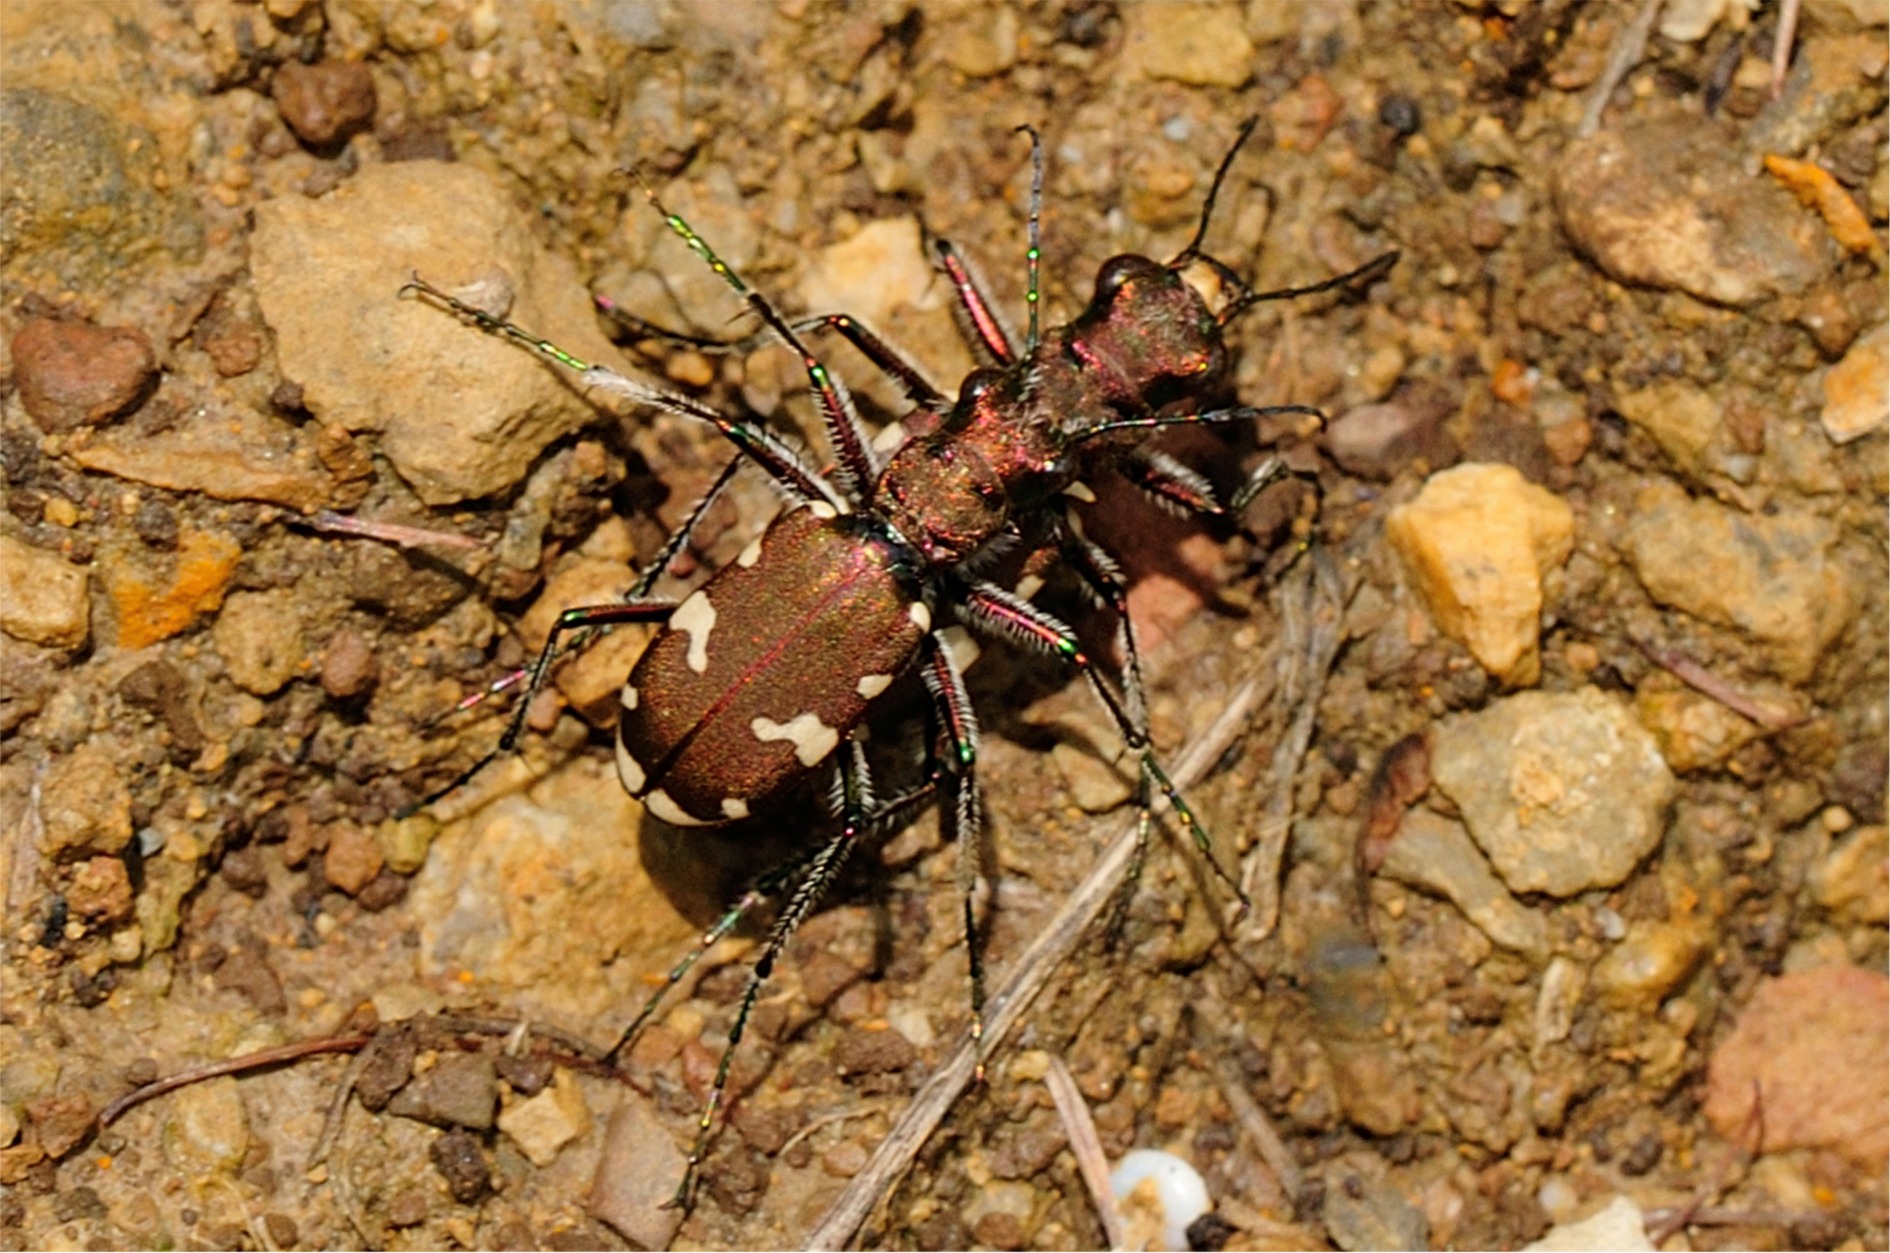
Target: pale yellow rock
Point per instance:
(42, 596)
(1204, 45)
(1852, 881)
(1693, 731)
(1650, 963)
(1780, 578)
(208, 1127)
(459, 414)
(543, 1124)
(1857, 389)
(1478, 541)
(1681, 418)
(259, 637)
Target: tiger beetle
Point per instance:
(766, 671)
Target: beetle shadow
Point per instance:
(703, 871)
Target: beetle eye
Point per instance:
(976, 384)
(1114, 273)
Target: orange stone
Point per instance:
(148, 613)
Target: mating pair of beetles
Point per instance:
(765, 672)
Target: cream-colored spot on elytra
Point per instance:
(695, 617)
(821, 509)
(920, 615)
(1079, 490)
(628, 697)
(733, 809)
(659, 803)
(629, 770)
(749, 555)
(871, 685)
(812, 738)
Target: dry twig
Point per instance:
(231, 1066)
(401, 536)
(1311, 629)
(1768, 714)
(1628, 49)
(1080, 1128)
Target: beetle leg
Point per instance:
(764, 887)
(775, 455)
(1101, 574)
(1175, 487)
(652, 571)
(858, 463)
(986, 331)
(583, 618)
(960, 727)
(885, 358)
(993, 609)
(820, 871)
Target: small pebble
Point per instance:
(844, 1160)
(408, 1208)
(542, 1125)
(1379, 441)
(460, 1161)
(100, 890)
(389, 1065)
(250, 975)
(1777, 576)
(1202, 45)
(1667, 205)
(462, 1090)
(1365, 1210)
(85, 805)
(73, 373)
(325, 102)
(61, 1121)
(1650, 962)
(242, 868)
(353, 860)
(1856, 397)
(1617, 1226)
(43, 597)
(1810, 1046)
(383, 891)
(1478, 541)
(207, 1127)
(637, 1174)
(349, 666)
(259, 637)
(1563, 791)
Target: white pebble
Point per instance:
(1179, 1188)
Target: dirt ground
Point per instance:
(1557, 754)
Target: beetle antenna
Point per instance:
(1193, 249)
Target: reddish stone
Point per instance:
(73, 373)
(1812, 1049)
(326, 102)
